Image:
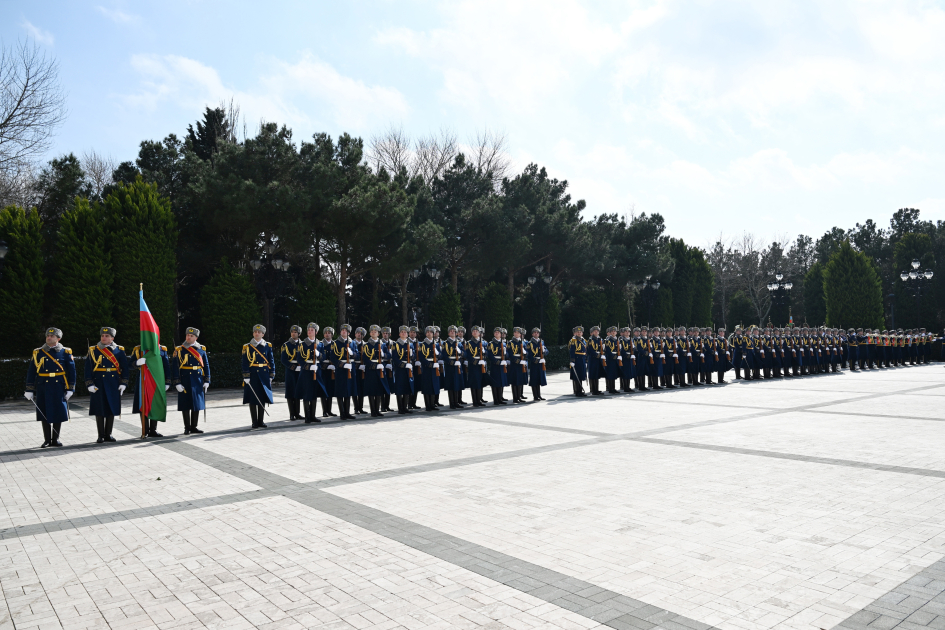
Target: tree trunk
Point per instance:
(342, 290)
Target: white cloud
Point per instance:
(117, 15)
(304, 95)
(38, 34)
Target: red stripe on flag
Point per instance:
(148, 324)
(149, 386)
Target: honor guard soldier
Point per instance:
(453, 354)
(359, 335)
(536, 350)
(518, 365)
(610, 360)
(595, 353)
(414, 344)
(439, 354)
(461, 338)
(640, 352)
(375, 375)
(428, 364)
(577, 354)
(106, 376)
(655, 358)
(50, 383)
(259, 369)
(386, 341)
(326, 376)
(724, 361)
(291, 361)
(342, 353)
(736, 344)
(627, 360)
(402, 360)
(498, 366)
(138, 356)
(478, 372)
(309, 385)
(852, 349)
(190, 375)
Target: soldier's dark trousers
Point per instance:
(536, 392)
(359, 405)
(497, 396)
(385, 402)
(708, 378)
(294, 408)
(344, 407)
(326, 407)
(738, 374)
(401, 404)
(256, 413)
(477, 400)
(451, 396)
(374, 403)
(310, 411)
(612, 386)
(578, 388)
(47, 434)
(104, 424)
(721, 376)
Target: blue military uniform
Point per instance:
(453, 355)
(374, 373)
(498, 368)
(326, 377)
(401, 361)
(259, 369)
(190, 375)
(478, 372)
(308, 386)
(341, 354)
(291, 362)
(610, 359)
(577, 354)
(386, 341)
(50, 382)
(358, 372)
(106, 376)
(429, 360)
(535, 350)
(518, 365)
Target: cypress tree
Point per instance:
(681, 284)
(22, 284)
(815, 306)
(228, 309)
(314, 300)
(853, 290)
(703, 285)
(83, 281)
(445, 309)
(496, 308)
(141, 239)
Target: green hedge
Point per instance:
(226, 371)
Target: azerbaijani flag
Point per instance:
(153, 398)
(791, 320)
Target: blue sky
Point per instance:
(777, 118)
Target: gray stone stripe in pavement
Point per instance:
(849, 463)
(887, 416)
(127, 515)
(918, 603)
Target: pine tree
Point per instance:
(815, 306)
(681, 283)
(314, 300)
(22, 282)
(83, 281)
(228, 310)
(853, 290)
(141, 239)
(496, 308)
(445, 308)
(703, 286)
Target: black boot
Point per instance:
(54, 435)
(186, 415)
(385, 402)
(194, 417)
(310, 413)
(378, 400)
(359, 406)
(252, 415)
(413, 401)
(291, 403)
(47, 434)
(326, 408)
(100, 426)
(152, 429)
(536, 393)
(109, 424)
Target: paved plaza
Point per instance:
(799, 503)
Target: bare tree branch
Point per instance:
(390, 150)
(489, 153)
(32, 104)
(434, 154)
(98, 170)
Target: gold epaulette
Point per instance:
(68, 350)
(121, 348)
(164, 348)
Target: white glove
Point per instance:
(482, 363)
(505, 363)
(361, 368)
(389, 366)
(179, 387)
(662, 356)
(702, 355)
(380, 367)
(121, 389)
(166, 386)
(207, 386)
(140, 362)
(689, 354)
(651, 355)
(331, 367)
(348, 366)
(93, 389)
(28, 395)
(440, 362)
(68, 395)
(317, 354)
(466, 363)
(246, 380)
(675, 356)
(298, 368)
(418, 364)
(541, 360)
(572, 365)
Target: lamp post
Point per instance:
(648, 289)
(915, 280)
(780, 291)
(541, 290)
(270, 276)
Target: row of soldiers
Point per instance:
(370, 364)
